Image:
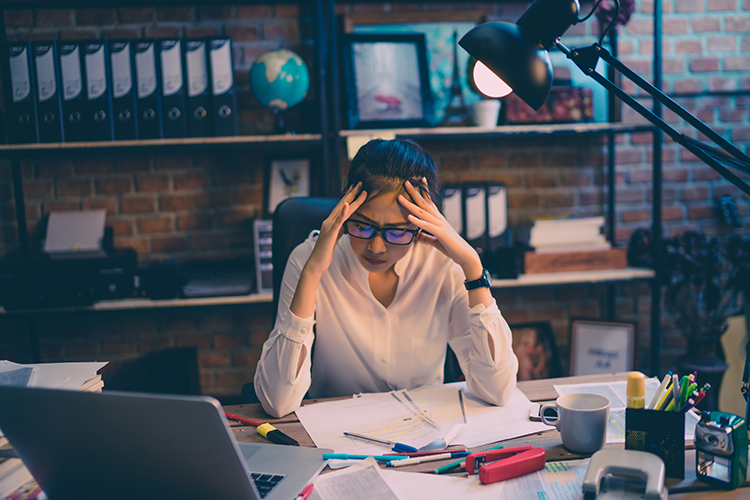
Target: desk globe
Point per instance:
(279, 79)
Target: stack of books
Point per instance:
(16, 482)
(566, 245)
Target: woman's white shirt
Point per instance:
(362, 346)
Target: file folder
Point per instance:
(174, 119)
(46, 78)
(224, 102)
(200, 119)
(123, 89)
(148, 95)
(73, 91)
(21, 117)
(98, 91)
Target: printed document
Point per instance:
(363, 481)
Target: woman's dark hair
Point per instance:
(383, 167)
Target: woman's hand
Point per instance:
(333, 228)
(426, 216)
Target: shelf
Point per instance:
(157, 144)
(551, 279)
(538, 129)
(134, 304)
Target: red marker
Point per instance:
(304, 493)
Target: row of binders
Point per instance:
(104, 90)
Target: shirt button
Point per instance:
(303, 330)
(382, 360)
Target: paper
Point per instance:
(411, 485)
(80, 231)
(616, 392)
(557, 481)
(363, 481)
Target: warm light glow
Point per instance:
(489, 83)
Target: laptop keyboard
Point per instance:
(265, 482)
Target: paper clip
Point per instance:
(499, 465)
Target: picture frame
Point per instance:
(387, 81)
(438, 28)
(286, 178)
(598, 346)
(536, 349)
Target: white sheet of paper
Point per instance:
(616, 392)
(557, 481)
(79, 231)
(363, 481)
(411, 485)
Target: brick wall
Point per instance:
(198, 206)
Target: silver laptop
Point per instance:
(117, 445)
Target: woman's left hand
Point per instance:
(426, 216)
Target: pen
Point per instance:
(395, 446)
(304, 493)
(675, 389)
(431, 458)
(268, 431)
(660, 391)
(244, 420)
(344, 456)
(424, 453)
(691, 388)
(456, 465)
(666, 398)
(684, 384)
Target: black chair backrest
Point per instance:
(293, 220)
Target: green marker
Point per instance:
(456, 465)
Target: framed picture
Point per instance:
(387, 82)
(286, 178)
(535, 347)
(438, 29)
(601, 346)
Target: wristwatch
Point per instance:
(484, 281)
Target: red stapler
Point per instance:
(499, 465)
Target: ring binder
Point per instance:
(200, 118)
(72, 80)
(21, 118)
(222, 87)
(123, 89)
(98, 91)
(46, 78)
(148, 101)
(174, 121)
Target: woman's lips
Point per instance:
(374, 262)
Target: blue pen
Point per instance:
(344, 456)
(428, 458)
(398, 447)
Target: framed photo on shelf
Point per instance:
(535, 347)
(438, 29)
(286, 178)
(601, 346)
(387, 81)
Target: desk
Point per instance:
(536, 390)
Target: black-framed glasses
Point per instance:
(394, 236)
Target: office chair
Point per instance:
(293, 220)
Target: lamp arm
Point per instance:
(586, 59)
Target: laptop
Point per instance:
(119, 445)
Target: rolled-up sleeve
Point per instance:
(490, 377)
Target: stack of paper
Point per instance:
(568, 235)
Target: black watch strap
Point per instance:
(484, 281)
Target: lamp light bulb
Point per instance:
(488, 82)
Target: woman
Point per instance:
(388, 284)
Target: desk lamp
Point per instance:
(515, 58)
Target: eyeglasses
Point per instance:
(365, 231)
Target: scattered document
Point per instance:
(363, 481)
(616, 392)
(411, 485)
(557, 481)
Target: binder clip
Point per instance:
(499, 465)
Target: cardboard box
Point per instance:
(538, 263)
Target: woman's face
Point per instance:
(383, 211)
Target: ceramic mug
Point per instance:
(582, 420)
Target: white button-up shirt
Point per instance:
(361, 346)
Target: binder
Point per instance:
(98, 91)
(475, 219)
(73, 89)
(148, 95)
(453, 207)
(200, 118)
(497, 215)
(123, 89)
(46, 78)
(173, 104)
(224, 103)
(21, 117)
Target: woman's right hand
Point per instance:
(333, 228)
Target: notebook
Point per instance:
(120, 445)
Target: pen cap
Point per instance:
(636, 385)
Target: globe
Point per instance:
(279, 79)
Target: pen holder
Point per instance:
(659, 432)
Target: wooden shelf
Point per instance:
(192, 142)
(552, 279)
(133, 304)
(502, 131)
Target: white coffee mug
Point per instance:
(486, 112)
(582, 420)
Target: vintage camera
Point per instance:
(721, 449)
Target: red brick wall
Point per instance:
(198, 206)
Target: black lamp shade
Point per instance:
(521, 63)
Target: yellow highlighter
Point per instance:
(636, 390)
